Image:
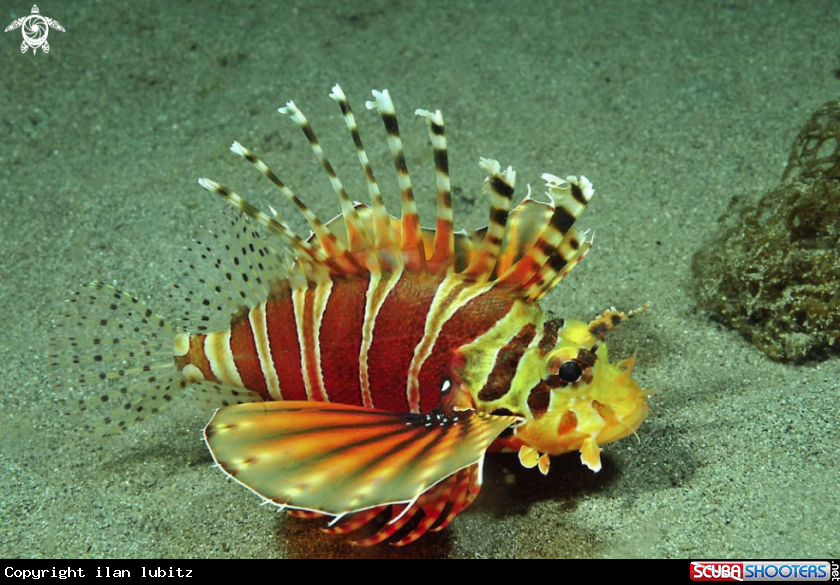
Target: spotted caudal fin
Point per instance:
(527, 249)
(119, 357)
(110, 337)
(351, 462)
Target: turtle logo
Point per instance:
(35, 29)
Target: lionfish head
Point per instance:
(576, 398)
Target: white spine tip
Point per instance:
(337, 94)
(586, 185)
(237, 148)
(292, 110)
(551, 179)
(208, 184)
(558, 185)
(433, 117)
(381, 102)
(510, 175)
(491, 166)
(289, 109)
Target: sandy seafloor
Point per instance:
(669, 108)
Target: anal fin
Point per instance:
(431, 512)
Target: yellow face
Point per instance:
(582, 402)
(571, 398)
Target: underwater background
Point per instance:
(671, 109)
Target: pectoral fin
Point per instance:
(338, 459)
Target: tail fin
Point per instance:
(115, 339)
(118, 340)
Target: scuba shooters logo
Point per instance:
(717, 571)
(763, 570)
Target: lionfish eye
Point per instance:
(570, 371)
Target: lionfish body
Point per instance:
(365, 371)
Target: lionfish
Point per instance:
(363, 372)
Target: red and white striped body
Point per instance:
(385, 343)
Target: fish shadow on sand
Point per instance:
(511, 490)
(304, 540)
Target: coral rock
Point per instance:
(772, 271)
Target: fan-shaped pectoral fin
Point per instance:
(338, 459)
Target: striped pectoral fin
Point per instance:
(338, 459)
